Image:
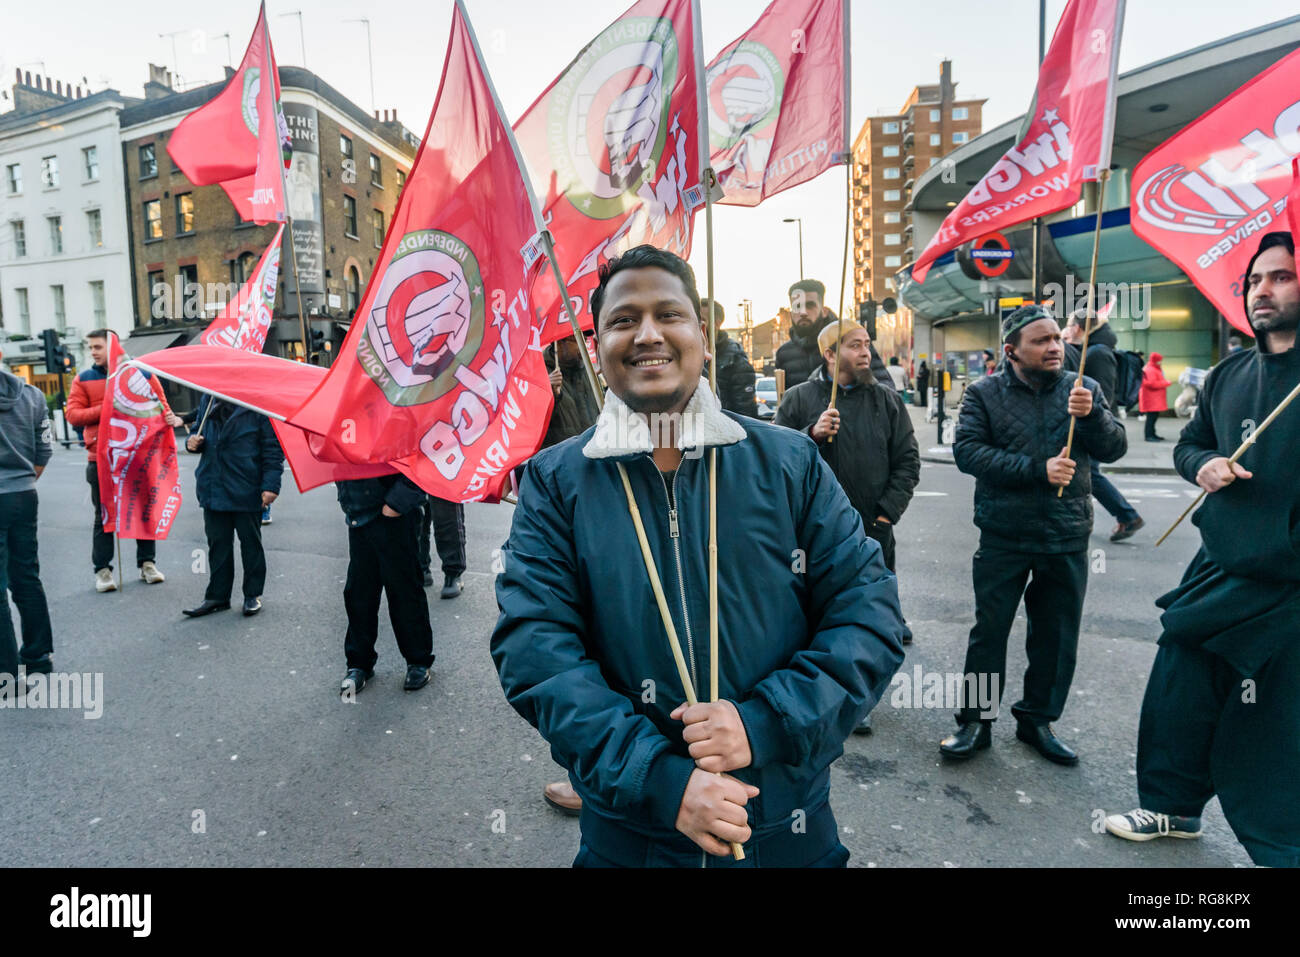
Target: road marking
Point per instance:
(930, 494)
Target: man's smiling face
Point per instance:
(650, 341)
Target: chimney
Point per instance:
(160, 83)
(376, 116)
(947, 89)
(32, 94)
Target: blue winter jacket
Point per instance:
(810, 634)
(241, 458)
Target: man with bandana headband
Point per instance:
(1011, 436)
(1220, 713)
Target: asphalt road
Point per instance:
(223, 741)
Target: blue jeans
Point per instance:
(1111, 500)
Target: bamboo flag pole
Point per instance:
(1241, 450)
(848, 207)
(1102, 176)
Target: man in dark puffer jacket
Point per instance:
(1011, 436)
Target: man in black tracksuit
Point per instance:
(1219, 716)
(383, 516)
(799, 357)
(238, 475)
(736, 376)
(1011, 436)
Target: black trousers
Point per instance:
(1054, 607)
(101, 547)
(382, 559)
(447, 521)
(884, 534)
(22, 571)
(220, 528)
(1151, 425)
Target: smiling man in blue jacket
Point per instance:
(809, 622)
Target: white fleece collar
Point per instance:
(620, 432)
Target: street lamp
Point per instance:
(369, 55)
(799, 220)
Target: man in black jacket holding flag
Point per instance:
(1011, 436)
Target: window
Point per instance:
(90, 161)
(14, 177)
(153, 220)
(60, 309)
(241, 269)
(889, 127)
(354, 289)
(889, 151)
(24, 311)
(56, 234)
(960, 137)
(97, 303)
(95, 225)
(935, 116)
(936, 139)
(893, 195)
(20, 238)
(376, 179)
(148, 161)
(960, 113)
(50, 172)
(893, 217)
(933, 160)
(893, 262)
(891, 172)
(184, 213)
(893, 239)
(345, 145)
(379, 228)
(401, 182)
(350, 216)
(191, 306)
(159, 297)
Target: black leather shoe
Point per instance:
(417, 676)
(451, 587)
(354, 681)
(252, 606)
(1042, 740)
(969, 738)
(206, 607)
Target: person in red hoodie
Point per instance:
(83, 410)
(1153, 399)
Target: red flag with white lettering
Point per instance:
(777, 100)
(139, 477)
(441, 374)
(1205, 195)
(1067, 139)
(240, 139)
(613, 146)
(245, 320)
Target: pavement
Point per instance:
(223, 740)
(1142, 458)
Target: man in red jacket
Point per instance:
(1153, 399)
(83, 410)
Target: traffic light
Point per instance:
(50, 340)
(66, 366)
(317, 345)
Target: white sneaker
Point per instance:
(104, 580)
(1143, 825)
(150, 573)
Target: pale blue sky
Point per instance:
(896, 45)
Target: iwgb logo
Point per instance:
(745, 89)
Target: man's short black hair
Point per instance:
(718, 313)
(97, 334)
(808, 285)
(1268, 241)
(644, 257)
(893, 360)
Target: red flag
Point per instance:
(1293, 200)
(777, 113)
(245, 320)
(1203, 196)
(240, 138)
(1067, 140)
(139, 478)
(441, 373)
(612, 146)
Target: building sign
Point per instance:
(304, 198)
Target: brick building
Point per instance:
(889, 154)
(190, 251)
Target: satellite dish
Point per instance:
(889, 305)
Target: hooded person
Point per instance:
(1219, 716)
(1154, 397)
(809, 625)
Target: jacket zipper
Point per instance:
(674, 533)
